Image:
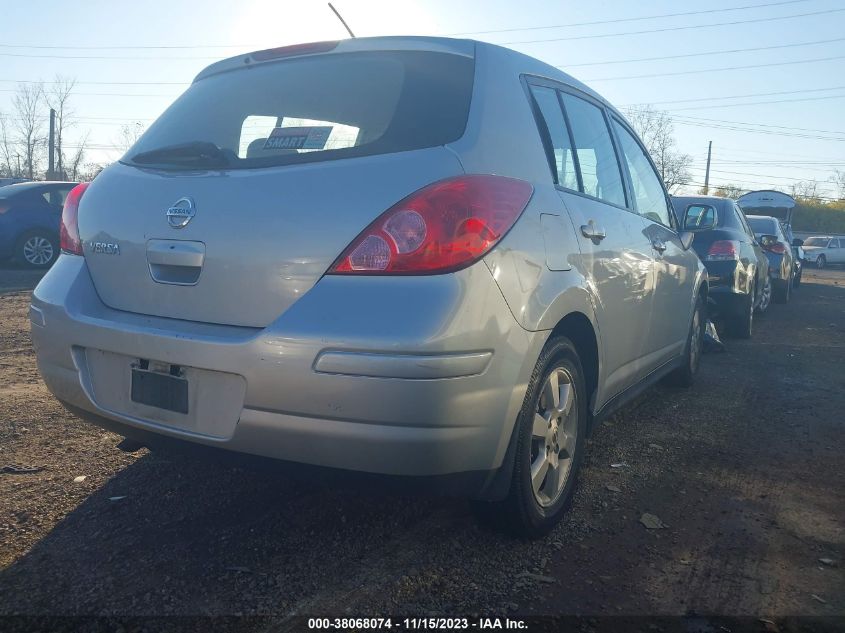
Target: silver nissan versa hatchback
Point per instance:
(421, 257)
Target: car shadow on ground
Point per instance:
(173, 533)
(14, 278)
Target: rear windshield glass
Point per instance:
(762, 225)
(310, 109)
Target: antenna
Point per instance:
(342, 21)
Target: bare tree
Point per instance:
(58, 98)
(728, 191)
(74, 163)
(128, 135)
(838, 179)
(28, 104)
(806, 190)
(656, 130)
(7, 150)
(89, 171)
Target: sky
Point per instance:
(764, 80)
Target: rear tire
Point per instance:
(684, 376)
(796, 282)
(550, 440)
(765, 297)
(36, 249)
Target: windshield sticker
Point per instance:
(310, 137)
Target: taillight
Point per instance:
(69, 228)
(777, 247)
(443, 227)
(723, 250)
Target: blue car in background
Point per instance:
(29, 221)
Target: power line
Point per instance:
(108, 94)
(828, 170)
(743, 96)
(767, 125)
(745, 173)
(759, 131)
(123, 46)
(733, 105)
(752, 182)
(633, 19)
(509, 30)
(676, 28)
(722, 69)
(101, 83)
(109, 57)
(784, 163)
(706, 54)
(575, 37)
(745, 150)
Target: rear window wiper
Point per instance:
(193, 153)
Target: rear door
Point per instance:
(674, 266)
(615, 252)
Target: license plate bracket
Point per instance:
(156, 389)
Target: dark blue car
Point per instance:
(29, 221)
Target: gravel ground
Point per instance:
(745, 470)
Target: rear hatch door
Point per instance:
(236, 201)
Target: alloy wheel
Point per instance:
(553, 437)
(37, 250)
(696, 341)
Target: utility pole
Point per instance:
(707, 173)
(51, 145)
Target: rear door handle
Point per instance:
(591, 231)
(658, 245)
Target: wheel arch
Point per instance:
(578, 328)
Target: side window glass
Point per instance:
(600, 171)
(547, 102)
(57, 197)
(834, 243)
(649, 196)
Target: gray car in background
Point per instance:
(418, 257)
(771, 236)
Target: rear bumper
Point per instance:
(728, 286)
(412, 376)
(776, 266)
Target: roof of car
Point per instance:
(762, 217)
(32, 184)
(467, 47)
(710, 199)
(19, 187)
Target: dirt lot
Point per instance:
(745, 470)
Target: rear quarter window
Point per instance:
(698, 214)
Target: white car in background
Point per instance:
(822, 250)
